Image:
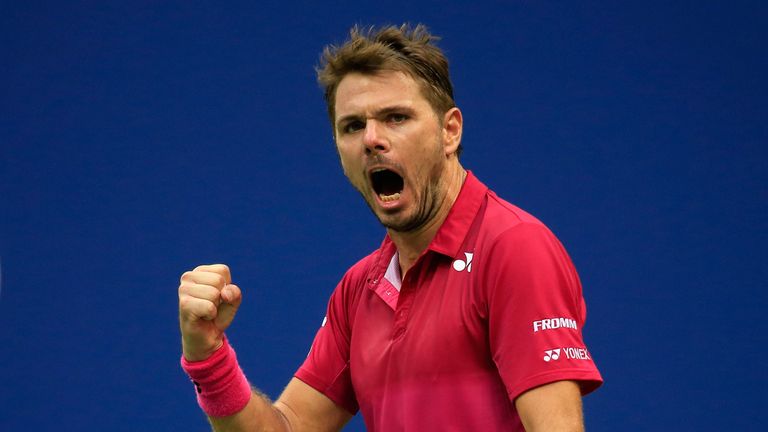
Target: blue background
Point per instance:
(139, 139)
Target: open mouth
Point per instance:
(387, 184)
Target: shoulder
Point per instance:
(518, 245)
(505, 222)
(356, 278)
(521, 262)
(359, 272)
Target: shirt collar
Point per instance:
(454, 229)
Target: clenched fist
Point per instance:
(207, 304)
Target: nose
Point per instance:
(373, 139)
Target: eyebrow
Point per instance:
(380, 113)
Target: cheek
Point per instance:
(430, 153)
(350, 170)
(344, 156)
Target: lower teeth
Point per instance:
(388, 198)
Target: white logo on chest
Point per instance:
(460, 265)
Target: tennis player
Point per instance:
(467, 317)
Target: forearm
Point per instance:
(258, 415)
(554, 407)
(556, 426)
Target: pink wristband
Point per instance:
(222, 389)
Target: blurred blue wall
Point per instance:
(139, 139)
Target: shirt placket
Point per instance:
(407, 294)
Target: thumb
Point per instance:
(231, 297)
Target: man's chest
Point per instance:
(435, 327)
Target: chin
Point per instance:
(400, 224)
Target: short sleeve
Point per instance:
(536, 312)
(326, 368)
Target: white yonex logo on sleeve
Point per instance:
(552, 354)
(571, 353)
(460, 265)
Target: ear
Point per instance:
(452, 127)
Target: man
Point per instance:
(467, 318)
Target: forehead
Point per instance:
(359, 93)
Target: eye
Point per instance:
(353, 126)
(397, 118)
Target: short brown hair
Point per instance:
(407, 49)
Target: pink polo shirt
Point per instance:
(491, 309)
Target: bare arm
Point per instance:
(300, 408)
(552, 407)
(208, 302)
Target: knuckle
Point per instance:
(211, 309)
(184, 303)
(183, 288)
(222, 270)
(185, 276)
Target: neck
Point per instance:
(410, 245)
